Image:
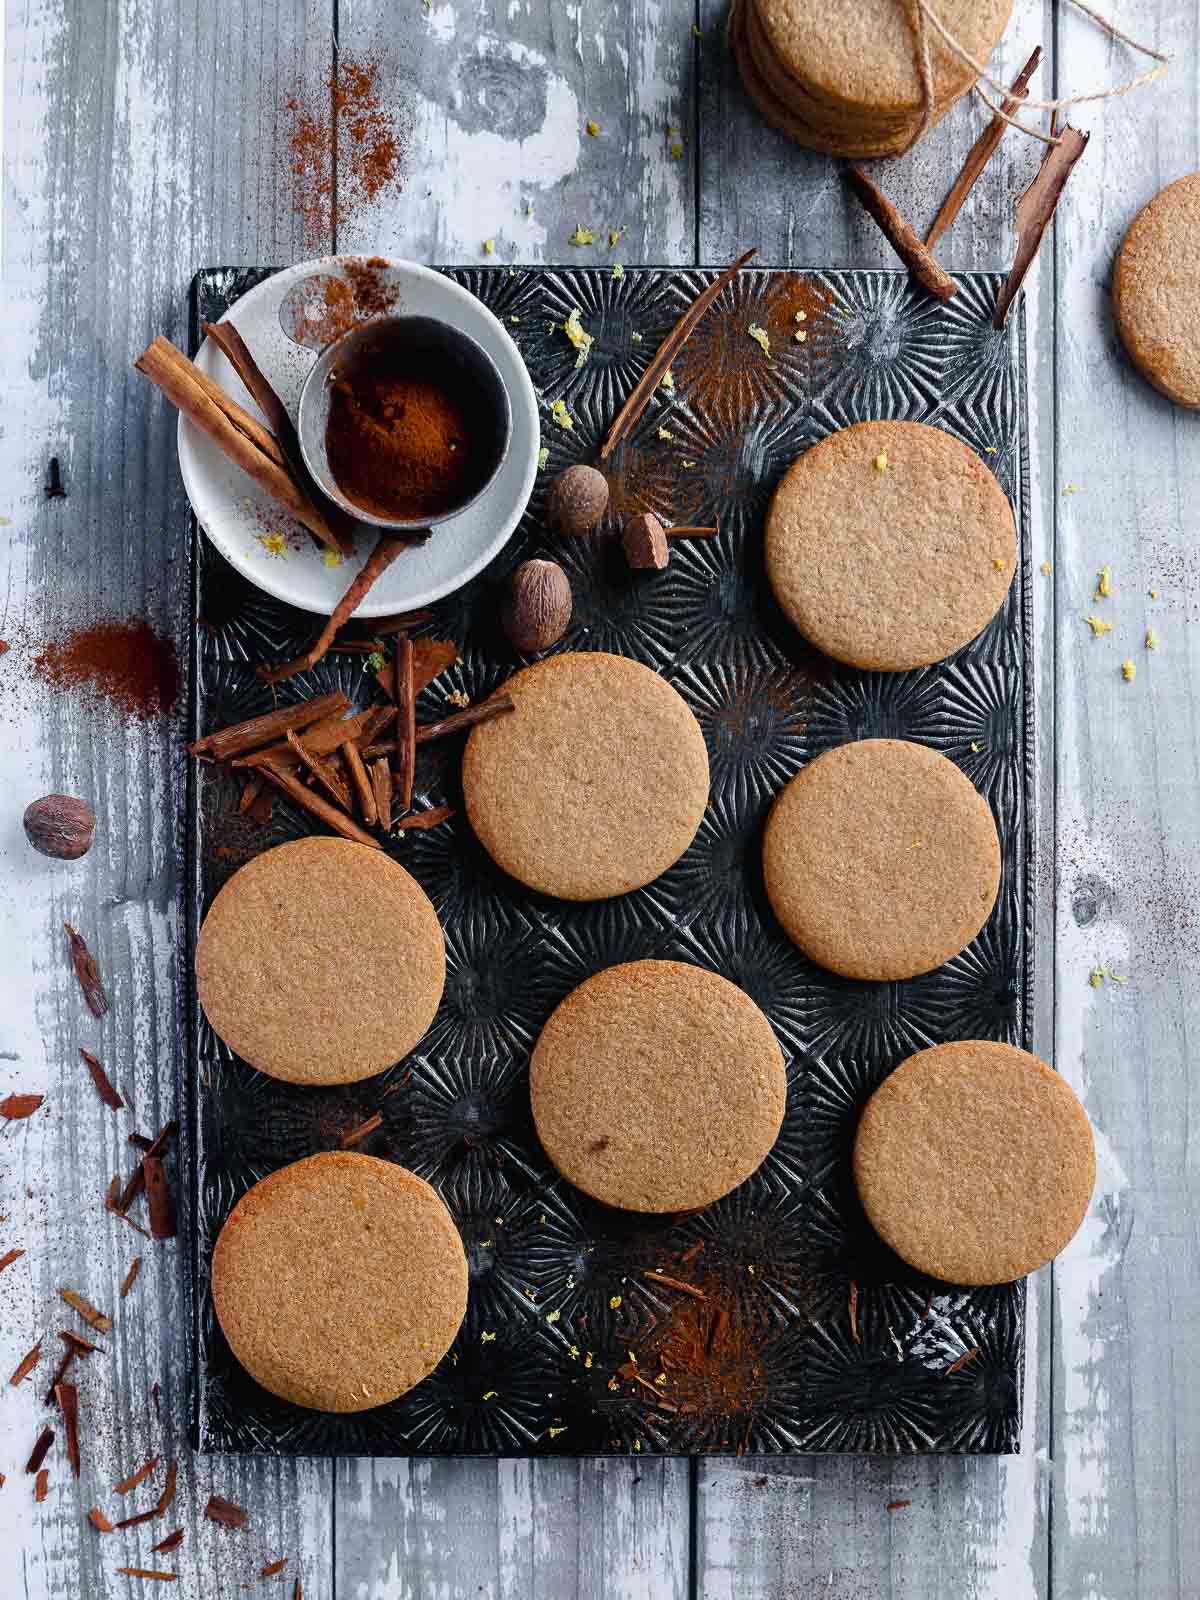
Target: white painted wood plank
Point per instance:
(818, 1525)
(1126, 1410)
(137, 144)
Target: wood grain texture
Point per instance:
(138, 141)
(1126, 1419)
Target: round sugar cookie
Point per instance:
(890, 545)
(657, 1086)
(1156, 291)
(881, 859)
(594, 785)
(975, 1162)
(321, 962)
(339, 1281)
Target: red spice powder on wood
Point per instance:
(125, 666)
(345, 114)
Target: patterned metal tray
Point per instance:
(770, 1360)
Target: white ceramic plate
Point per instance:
(248, 528)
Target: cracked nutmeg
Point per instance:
(58, 825)
(578, 499)
(536, 607)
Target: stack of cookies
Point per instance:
(843, 76)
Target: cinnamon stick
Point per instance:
(406, 722)
(982, 151)
(355, 1136)
(175, 375)
(675, 1283)
(26, 1365)
(376, 564)
(323, 738)
(158, 1197)
(236, 351)
(88, 973)
(93, 1318)
(240, 737)
(326, 774)
(361, 780)
(902, 237)
(67, 1396)
(381, 783)
(967, 1355)
(692, 533)
(495, 707)
(665, 355)
(313, 803)
(70, 1354)
(1035, 208)
(425, 819)
(40, 1450)
(171, 1542)
(102, 1081)
(374, 720)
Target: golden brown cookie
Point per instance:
(881, 859)
(1156, 291)
(975, 1162)
(889, 545)
(595, 784)
(339, 1281)
(860, 56)
(321, 962)
(657, 1086)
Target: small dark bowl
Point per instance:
(447, 354)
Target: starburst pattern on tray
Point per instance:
(775, 1319)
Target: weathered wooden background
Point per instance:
(142, 138)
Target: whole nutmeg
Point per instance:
(578, 497)
(60, 826)
(644, 542)
(536, 607)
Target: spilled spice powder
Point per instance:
(124, 666)
(345, 113)
(327, 305)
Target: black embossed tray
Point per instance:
(772, 1359)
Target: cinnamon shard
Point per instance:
(158, 1197)
(131, 1276)
(356, 1135)
(853, 1300)
(324, 809)
(902, 237)
(982, 151)
(99, 1521)
(497, 706)
(381, 786)
(225, 1512)
(237, 739)
(9, 1256)
(40, 1450)
(431, 657)
(898, 1505)
(85, 1308)
(361, 780)
(41, 1487)
(67, 1396)
(166, 1498)
(148, 1572)
(50, 1398)
(406, 724)
(967, 1355)
(272, 1567)
(81, 1346)
(18, 1106)
(26, 1365)
(140, 1476)
(102, 1081)
(675, 1283)
(171, 1542)
(1035, 208)
(425, 819)
(88, 973)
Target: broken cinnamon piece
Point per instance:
(692, 1251)
(898, 1505)
(166, 1498)
(902, 237)
(689, 532)
(67, 1396)
(380, 559)
(26, 1365)
(361, 781)
(99, 1521)
(140, 1476)
(982, 151)
(425, 819)
(406, 722)
(957, 1366)
(273, 1567)
(50, 1398)
(103, 1082)
(141, 1516)
(235, 350)
(171, 1542)
(665, 355)
(93, 1318)
(19, 1106)
(85, 1347)
(9, 1256)
(251, 790)
(41, 1485)
(1035, 208)
(131, 1276)
(297, 1593)
(381, 783)
(225, 1512)
(147, 1572)
(398, 622)
(326, 774)
(328, 813)
(374, 720)
(675, 1283)
(263, 808)
(88, 973)
(40, 1450)
(431, 657)
(357, 1135)
(158, 1198)
(241, 737)
(149, 1147)
(854, 1333)
(458, 720)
